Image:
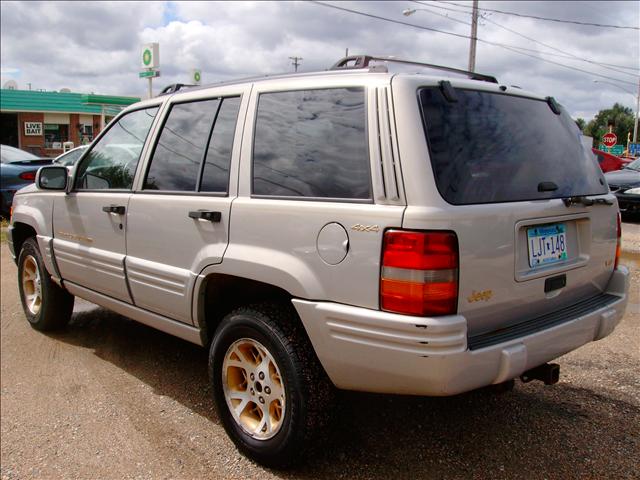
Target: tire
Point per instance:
(46, 305)
(297, 420)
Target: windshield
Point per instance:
(635, 165)
(489, 147)
(10, 154)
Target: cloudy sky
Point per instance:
(95, 46)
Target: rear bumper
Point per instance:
(376, 351)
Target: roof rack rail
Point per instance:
(362, 61)
(174, 87)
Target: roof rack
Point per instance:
(174, 87)
(362, 61)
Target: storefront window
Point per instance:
(55, 134)
(86, 134)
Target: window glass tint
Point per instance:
(311, 143)
(215, 176)
(490, 147)
(113, 160)
(178, 155)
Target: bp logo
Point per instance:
(146, 56)
(196, 76)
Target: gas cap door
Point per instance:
(333, 243)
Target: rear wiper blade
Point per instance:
(584, 200)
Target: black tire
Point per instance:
(56, 304)
(308, 391)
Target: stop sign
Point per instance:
(610, 139)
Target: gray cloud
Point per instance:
(94, 46)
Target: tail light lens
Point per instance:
(419, 273)
(30, 176)
(619, 243)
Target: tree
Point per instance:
(622, 117)
(581, 122)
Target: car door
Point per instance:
(90, 222)
(179, 215)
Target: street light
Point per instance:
(637, 98)
(474, 31)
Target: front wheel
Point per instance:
(270, 391)
(45, 304)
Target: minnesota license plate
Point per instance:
(547, 244)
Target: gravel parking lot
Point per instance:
(110, 398)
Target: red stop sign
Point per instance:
(610, 139)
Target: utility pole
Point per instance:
(635, 125)
(474, 37)
(295, 61)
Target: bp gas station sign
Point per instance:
(150, 57)
(150, 61)
(196, 76)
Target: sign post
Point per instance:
(150, 62)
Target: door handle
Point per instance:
(206, 215)
(119, 209)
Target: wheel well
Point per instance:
(21, 231)
(223, 293)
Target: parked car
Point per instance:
(69, 159)
(17, 169)
(625, 184)
(351, 229)
(609, 162)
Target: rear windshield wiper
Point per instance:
(584, 200)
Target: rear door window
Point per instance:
(489, 147)
(180, 149)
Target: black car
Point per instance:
(625, 184)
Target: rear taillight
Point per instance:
(419, 273)
(30, 176)
(619, 243)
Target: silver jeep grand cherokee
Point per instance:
(353, 228)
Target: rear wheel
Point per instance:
(45, 304)
(271, 393)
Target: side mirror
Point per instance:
(52, 178)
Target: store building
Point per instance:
(46, 123)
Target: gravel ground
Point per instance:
(110, 398)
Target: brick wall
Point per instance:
(74, 136)
(33, 144)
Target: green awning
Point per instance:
(35, 101)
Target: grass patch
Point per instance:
(3, 233)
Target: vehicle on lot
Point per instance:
(609, 162)
(17, 169)
(69, 159)
(625, 184)
(354, 228)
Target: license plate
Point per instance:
(547, 244)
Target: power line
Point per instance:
(575, 22)
(507, 47)
(567, 54)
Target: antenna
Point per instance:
(295, 61)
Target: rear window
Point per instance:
(491, 147)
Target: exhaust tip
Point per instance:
(549, 373)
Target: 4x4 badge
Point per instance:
(480, 296)
(365, 228)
